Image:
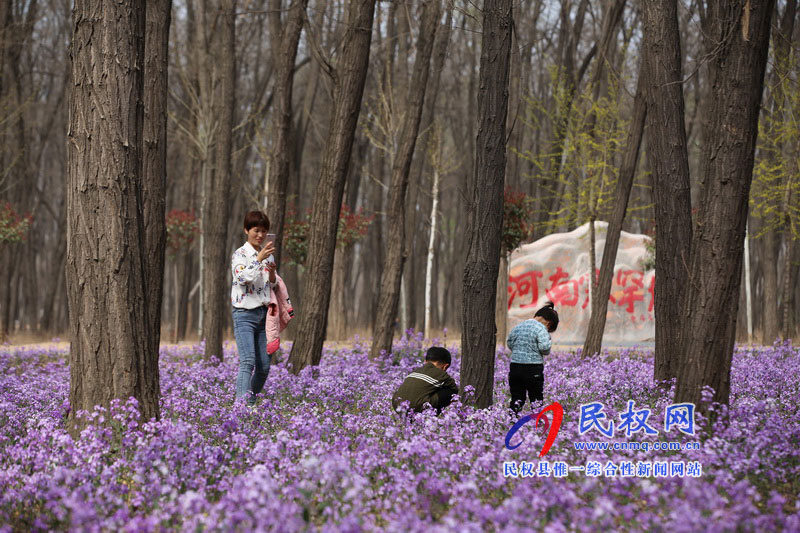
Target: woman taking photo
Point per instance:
(253, 270)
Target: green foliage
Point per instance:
(775, 192)
(182, 228)
(13, 226)
(517, 213)
(648, 262)
(594, 134)
(353, 226)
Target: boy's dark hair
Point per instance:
(549, 313)
(256, 219)
(438, 354)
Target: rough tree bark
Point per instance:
(600, 294)
(395, 252)
(349, 77)
(667, 141)
(284, 41)
(485, 222)
(107, 194)
(154, 171)
(738, 33)
(214, 223)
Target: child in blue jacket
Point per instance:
(529, 342)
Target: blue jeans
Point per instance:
(251, 340)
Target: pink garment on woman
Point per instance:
(279, 313)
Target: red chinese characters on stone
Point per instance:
(523, 285)
(632, 283)
(566, 291)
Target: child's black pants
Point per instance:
(525, 379)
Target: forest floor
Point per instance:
(324, 451)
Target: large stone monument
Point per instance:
(556, 268)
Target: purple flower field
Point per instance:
(327, 454)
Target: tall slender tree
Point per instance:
(349, 76)
(737, 38)
(17, 21)
(667, 142)
(424, 166)
(597, 321)
(214, 222)
(763, 196)
(478, 335)
(284, 40)
(154, 172)
(111, 194)
(396, 241)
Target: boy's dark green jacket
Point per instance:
(423, 386)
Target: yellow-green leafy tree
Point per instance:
(593, 143)
(775, 194)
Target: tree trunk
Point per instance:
(176, 313)
(303, 119)
(216, 278)
(431, 249)
(184, 300)
(738, 32)
(612, 18)
(337, 322)
(663, 89)
(770, 297)
(154, 173)
(377, 200)
(485, 222)
(786, 293)
(284, 45)
(15, 32)
(395, 243)
(592, 257)
(501, 312)
(107, 267)
(56, 288)
(422, 165)
(748, 299)
(793, 294)
(5, 295)
(782, 35)
(627, 172)
(349, 78)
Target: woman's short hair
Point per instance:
(256, 219)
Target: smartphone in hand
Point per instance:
(271, 237)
